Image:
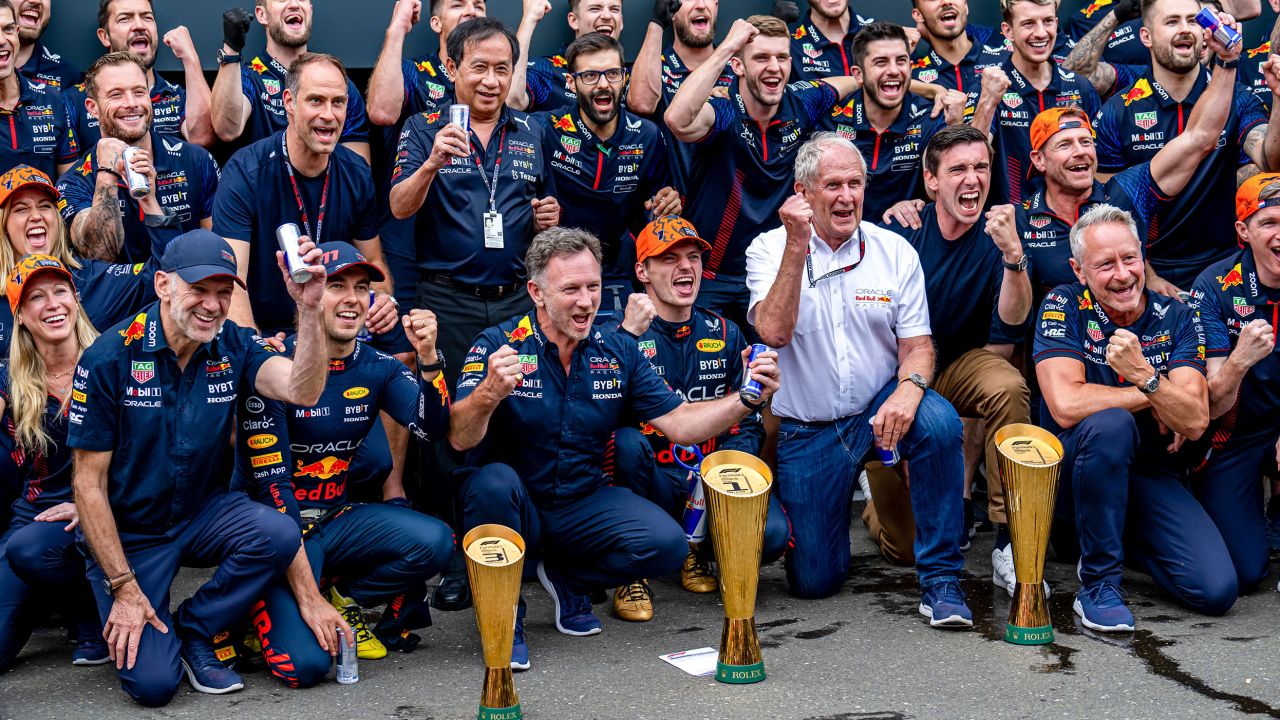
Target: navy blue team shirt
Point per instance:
(46, 477)
(37, 132)
(262, 80)
(814, 57)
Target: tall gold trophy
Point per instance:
(1029, 465)
(737, 489)
(495, 559)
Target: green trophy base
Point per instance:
(506, 713)
(1028, 635)
(740, 674)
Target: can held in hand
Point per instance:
(888, 458)
(1224, 33)
(460, 115)
(139, 186)
(287, 236)
(751, 389)
(348, 661)
(365, 335)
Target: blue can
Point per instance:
(751, 389)
(888, 458)
(365, 335)
(1224, 33)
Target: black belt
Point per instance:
(807, 423)
(484, 292)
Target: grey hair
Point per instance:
(1101, 214)
(810, 155)
(557, 242)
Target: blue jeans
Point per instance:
(818, 464)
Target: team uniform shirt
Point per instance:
(742, 172)
(1123, 47)
(257, 197)
(450, 226)
(894, 156)
(547, 83)
(186, 183)
(988, 50)
(1198, 227)
(48, 68)
(814, 56)
(163, 425)
(427, 87)
(674, 72)
(863, 298)
(37, 132)
(1251, 76)
(46, 477)
(1014, 177)
(168, 111)
(262, 81)
(962, 281)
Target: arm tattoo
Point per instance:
(1244, 173)
(1084, 58)
(1253, 147)
(102, 228)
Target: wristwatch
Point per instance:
(111, 585)
(226, 58)
(1231, 65)
(436, 366)
(1151, 385)
(1019, 266)
(915, 379)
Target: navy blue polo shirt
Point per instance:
(564, 420)
(1014, 176)
(262, 467)
(1124, 47)
(603, 183)
(547, 83)
(814, 56)
(988, 50)
(1197, 227)
(186, 183)
(46, 477)
(1229, 296)
(742, 172)
(37, 132)
(262, 80)
(49, 68)
(427, 87)
(1250, 72)
(162, 424)
(450, 223)
(168, 110)
(674, 72)
(257, 197)
(894, 157)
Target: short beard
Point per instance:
(1165, 58)
(687, 37)
(588, 108)
(813, 8)
(280, 38)
(113, 130)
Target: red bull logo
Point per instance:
(1086, 302)
(1232, 279)
(432, 118)
(1140, 90)
(442, 388)
(1263, 49)
(559, 61)
(921, 64)
(258, 66)
(564, 123)
(845, 110)
(426, 67)
(523, 330)
(1094, 7)
(323, 468)
(649, 429)
(135, 330)
(799, 34)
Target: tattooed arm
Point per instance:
(1086, 58)
(98, 231)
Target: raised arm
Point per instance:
(230, 108)
(1257, 342)
(1085, 58)
(534, 11)
(775, 315)
(300, 381)
(1175, 163)
(692, 423)
(690, 118)
(417, 166)
(1014, 302)
(469, 419)
(385, 95)
(644, 94)
(197, 127)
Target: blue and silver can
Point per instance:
(1224, 33)
(460, 115)
(348, 661)
(888, 458)
(751, 389)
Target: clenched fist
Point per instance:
(639, 314)
(422, 328)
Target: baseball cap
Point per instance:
(1053, 120)
(664, 232)
(1249, 196)
(28, 267)
(20, 176)
(342, 256)
(199, 255)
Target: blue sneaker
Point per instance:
(520, 646)
(573, 610)
(1101, 607)
(205, 671)
(90, 651)
(944, 605)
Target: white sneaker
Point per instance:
(1003, 574)
(864, 488)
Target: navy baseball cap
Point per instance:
(342, 256)
(198, 255)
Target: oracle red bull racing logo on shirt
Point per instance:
(1232, 279)
(323, 469)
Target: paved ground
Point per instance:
(864, 654)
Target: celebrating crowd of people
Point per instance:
(528, 291)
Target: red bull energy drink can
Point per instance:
(460, 115)
(287, 237)
(1224, 33)
(888, 458)
(348, 661)
(139, 186)
(751, 390)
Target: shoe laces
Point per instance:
(638, 591)
(948, 592)
(1106, 594)
(200, 653)
(700, 567)
(355, 618)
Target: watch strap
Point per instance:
(1019, 266)
(120, 581)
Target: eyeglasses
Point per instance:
(591, 77)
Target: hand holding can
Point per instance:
(139, 185)
(288, 236)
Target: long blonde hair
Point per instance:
(59, 249)
(28, 388)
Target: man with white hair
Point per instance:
(844, 302)
(1122, 369)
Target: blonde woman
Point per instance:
(38, 549)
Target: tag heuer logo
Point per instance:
(528, 364)
(1095, 332)
(571, 145)
(649, 348)
(811, 51)
(1012, 100)
(272, 85)
(1145, 120)
(1039, 221)
(1242, 307)
(928, 76)
(435, 90)
(143, 371)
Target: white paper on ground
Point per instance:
(701, 661)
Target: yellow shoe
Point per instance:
(633, 602)
(368, 647)
(696, 575)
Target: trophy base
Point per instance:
(740, 662)
(506, 713)
(1028, 635)
(740, 674)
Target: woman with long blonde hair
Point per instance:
(37, 549)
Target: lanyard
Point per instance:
(302, 208)
(862, 253)
(497, 168)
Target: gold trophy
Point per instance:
(737, 490)
(1029, 465)
(495, 559)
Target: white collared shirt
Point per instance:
(845, 345)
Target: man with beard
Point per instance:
(822, 45)
(247, 97)
(38, 132)
(543, 84)
(101, 213)
(1122, 369)
(130, 25)
(953, 53)
(610, 166)
(743, 146)
(563, 387)
(1111, 30)
(35, 61)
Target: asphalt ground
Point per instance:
(864, 654)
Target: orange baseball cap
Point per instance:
(1249, 196)
(28, 268)
(21, 176)
(664, 232)
(1053, 120)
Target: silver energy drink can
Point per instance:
(365, 335)
(287, 236)
(888, 458)
(348, 661)
(1224, 33)
(751, 389)
(139, 186)
(460, 115)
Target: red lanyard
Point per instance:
(302, 208)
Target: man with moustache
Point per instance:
(36, 62)
(247, 96)
(822, 44)
(543, 85)
(39, 132)
(130, 25)
(1112, 29)
(103, 217)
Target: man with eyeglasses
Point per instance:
(611, 166)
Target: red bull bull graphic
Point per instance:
(1232, 279)
(1140, 90)
(1263, 49)
(323, 468)
(522, 332)
(1094, 7)
(135, 330)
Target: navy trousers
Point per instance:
(1229, 488)
(39, 560)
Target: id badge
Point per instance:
(493, 230)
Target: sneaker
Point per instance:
(944, 605)
(573, 610)
(1003, 574)
(454, 592)
(862, 493)
(90, 651)
(368, 646)
(696, 575)
(1101, 607)
(519, 646)
(633, 602)
(205, 671)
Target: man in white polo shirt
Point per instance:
(844, 303)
